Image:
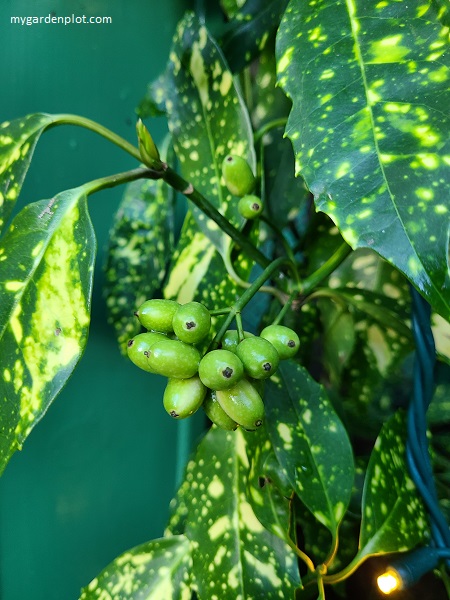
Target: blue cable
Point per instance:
(417, 453)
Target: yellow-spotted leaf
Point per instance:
(250, 30)
(207, 120)
(46, 268)
(198, 272)
(18, 139)
(234, 556)
(310, 443)
(156, 570)
(370, 127)
(393, 515)
(140, 245)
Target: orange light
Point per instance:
(389, 582)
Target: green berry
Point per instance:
(259, 357)
(284, 339)
(157, 314)
(182, 397)
(191, 322)
(216, 414)
(138, 349)
(238, 175)
(173, 358)
(230, 339)
(243, 404)
(250, 206)
(220, 369)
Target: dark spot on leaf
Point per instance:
(263, 481)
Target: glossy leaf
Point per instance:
(393, 516)
(140, 246)
(249, 31)
(198, 272)
(18, 139)
(310, 443)
(234, 556)
(207, 120)
(152, 571)
(269, 492)
(370, 128)
(46, 268)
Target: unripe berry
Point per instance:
(238, 175)
(259, 357)
(243, 404)
(230, 339)
(220, 369)
(182, 397)
(250, 206)
(191, 322)
(138, 349)
(284, 339)
(216, 414)
(173, 358)
(157, 314)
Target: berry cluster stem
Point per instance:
(187, 189)
(246, 297)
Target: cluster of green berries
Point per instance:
(227, 382)
(240, 181)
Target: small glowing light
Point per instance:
(389, 582)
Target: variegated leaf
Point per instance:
(370, 127)
(140, 246)
(310, 443)
(269, 491)
(18, 139)
(393, 515)
(234, 556)
(198, 272)
(207, 120)
(46, 269)
(156, 570)
(249, 31)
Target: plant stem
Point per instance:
(286, 247)
(66, 119)
(184, 187)
(261, 132)
(285, 308)
(239, 305)
(118, 179)
(326, 269)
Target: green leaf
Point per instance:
(310, 443)
(18, 139)
(140, 245)
(249, 31)
(198, 272)
(393, 516)
(269, 491)
(46, 269)
(152, 571)
(370, 128)
(233, 555)
(207, 120)
(153, 103)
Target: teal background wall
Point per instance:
(96, 475)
